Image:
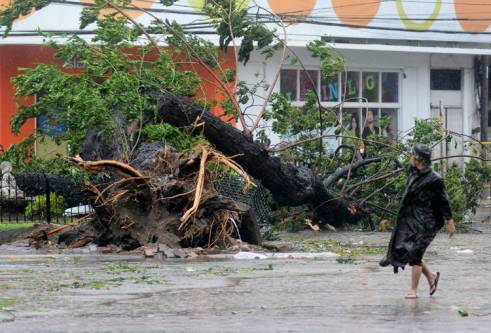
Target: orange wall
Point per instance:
(14, 56)
(11, 58)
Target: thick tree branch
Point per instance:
(290, 185)
(334, 177)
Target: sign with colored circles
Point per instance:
(437, 20)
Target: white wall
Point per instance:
(415, 78)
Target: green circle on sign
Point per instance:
(410, 24)
(199, 4)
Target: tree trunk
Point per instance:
(289, 185)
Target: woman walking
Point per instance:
(424, 209)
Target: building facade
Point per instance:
(404, 60)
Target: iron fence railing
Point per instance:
(38, 197)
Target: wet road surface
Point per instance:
(123, 293)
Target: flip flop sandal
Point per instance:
(435, 284)
(411, 296)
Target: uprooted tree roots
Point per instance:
(171, 201)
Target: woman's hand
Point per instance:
(451, 228)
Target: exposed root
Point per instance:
(174, 202)
(199, 188)
(122, 169)
(221, 159)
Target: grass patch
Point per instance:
(226, 271)
(344, 250)
(348, 253)
(345, 260)
(6, 303)
(119, 268)
(15, 226)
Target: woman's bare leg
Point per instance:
(430, 276)
(416, 275)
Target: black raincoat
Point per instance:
(424, 209)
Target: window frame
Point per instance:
(362, 106)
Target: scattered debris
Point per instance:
(148, 252)
(345, 260)
(384, 226)
(329, 227)
(467, 251)
(308, 222)
(166, 251)
(287, 255)
(463, 312)
(461, 251)
(249, 256)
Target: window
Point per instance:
(308, 81)
(370, 86)
(352, 120)
(389, 120)
(289, 83)
(445, 79)
(371, 98)
(330, 90)
(390, 87)
(351, 87)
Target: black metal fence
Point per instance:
(38, 197)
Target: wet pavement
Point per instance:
(123, 293)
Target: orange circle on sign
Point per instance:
(292, 7)
(479, 14)
(132, 13)
(356, 12)
(5, 3)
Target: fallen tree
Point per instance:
(172, 202)
(290, 185)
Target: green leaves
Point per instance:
(330, 65)
(18, 8)
(38, 206)
(178, 138)
(114, 79)
(232, 22)
(426, 131)
(254, 34)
